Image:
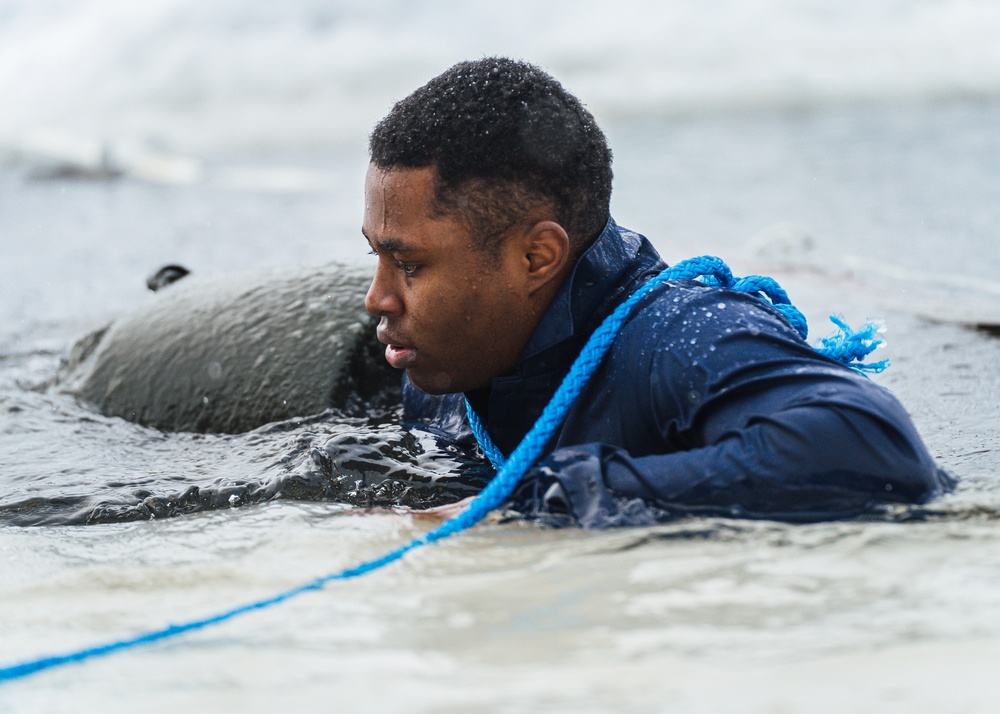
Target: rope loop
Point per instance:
(753, 284)
(711, 269)
(794, 317)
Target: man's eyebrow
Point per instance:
(389, 245)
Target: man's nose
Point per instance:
(381, 298)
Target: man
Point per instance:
(487, 204)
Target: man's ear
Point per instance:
(546, 251)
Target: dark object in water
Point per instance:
(993, 330)
(165, 276)
(233, 353)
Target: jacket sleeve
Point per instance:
(776, 432)
(804, 463)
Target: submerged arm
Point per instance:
(746, 419)
(807, 462)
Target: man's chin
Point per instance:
(436, 383)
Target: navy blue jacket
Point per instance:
(708, 402)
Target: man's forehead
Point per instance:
(399, 193)
(396, 179)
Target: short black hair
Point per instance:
(505, 138)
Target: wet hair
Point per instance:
(505, 139)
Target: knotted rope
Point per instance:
(851, 347)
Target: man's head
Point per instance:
(484, 186)
(505, 139)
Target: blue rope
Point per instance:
(483, 438)
(510, 470)
(852, 347)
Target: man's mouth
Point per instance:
(397, 354)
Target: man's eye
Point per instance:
(407, 268)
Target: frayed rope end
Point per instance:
(851, 347)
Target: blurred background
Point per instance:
(236, 77)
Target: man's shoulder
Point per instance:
(687, 305)
(687, 331)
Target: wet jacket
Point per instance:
(708, 402)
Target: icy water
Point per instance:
(852, 155)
